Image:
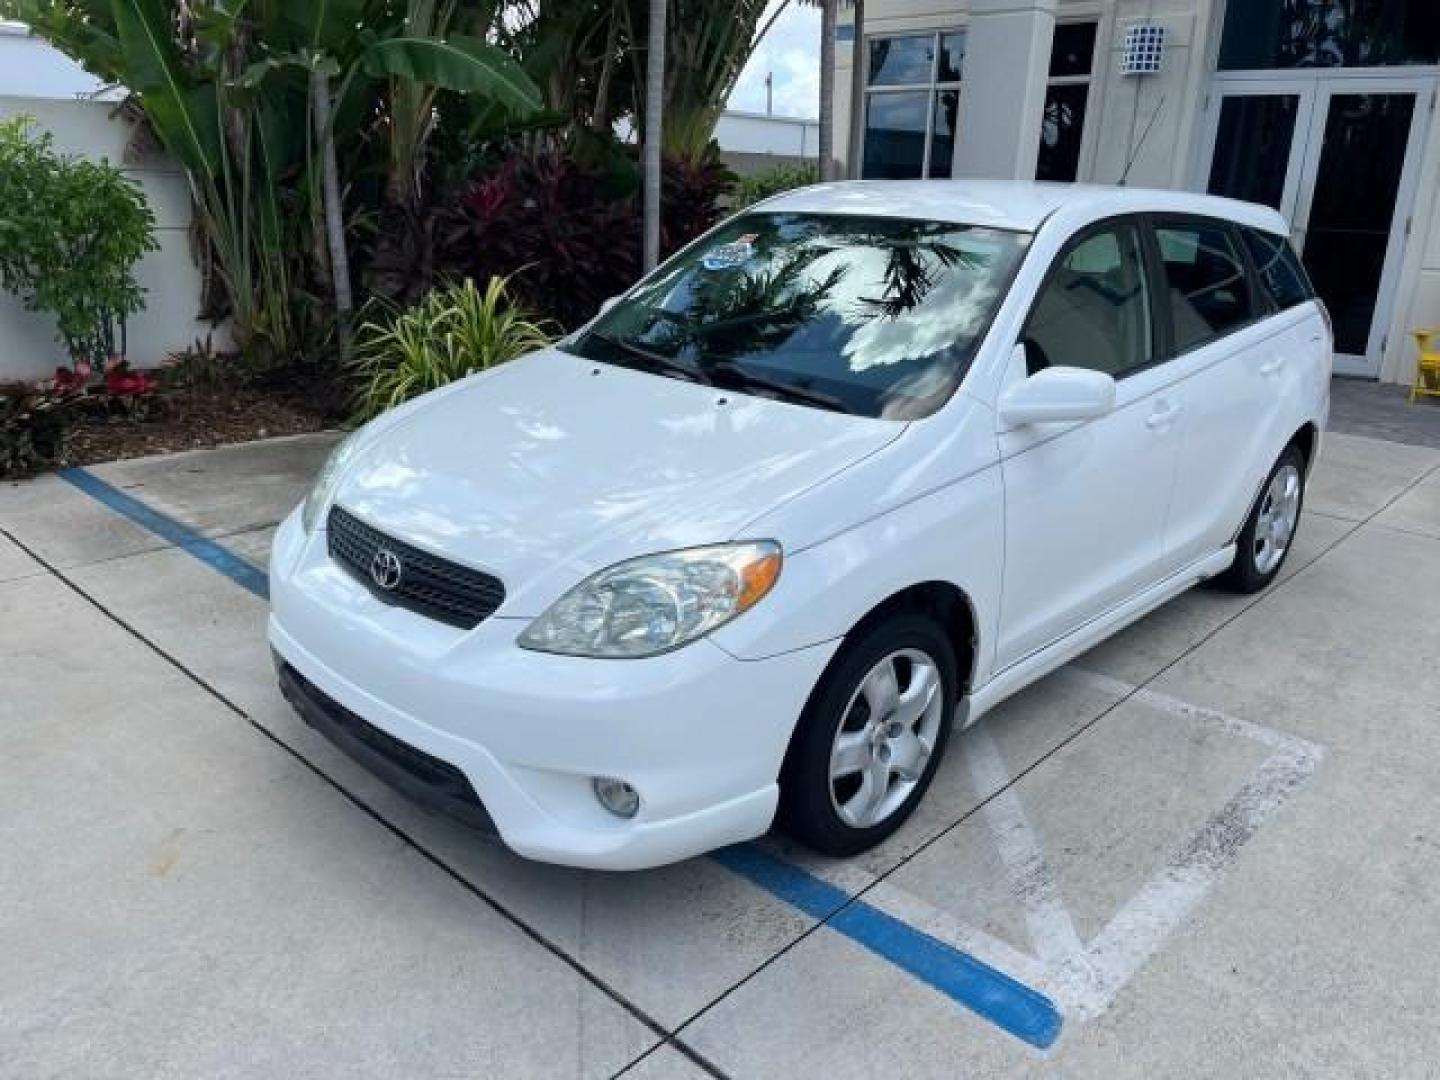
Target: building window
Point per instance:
(1067, 93)
(1265, 34)
(912, 98)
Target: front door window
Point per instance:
(1094, 311)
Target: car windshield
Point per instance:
(875, 316)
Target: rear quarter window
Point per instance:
(1282, 278)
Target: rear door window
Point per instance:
(1282, 278)
(1203, 277)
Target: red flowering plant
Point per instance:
(118, 381)
(122, 382)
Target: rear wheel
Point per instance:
(1265, 541)
(868, 743)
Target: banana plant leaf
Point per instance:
(463, 64)
(185, 117)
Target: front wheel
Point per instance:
(868, 743)
(1269, 532)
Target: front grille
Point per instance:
(428, 585)
(423, 777)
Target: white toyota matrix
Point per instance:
(837, 478)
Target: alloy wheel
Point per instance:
(885, 738)
(1279, 513)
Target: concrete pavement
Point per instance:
(196, 884)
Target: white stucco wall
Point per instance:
(38, 81)
(1120, 106)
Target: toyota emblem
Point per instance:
(385, 569)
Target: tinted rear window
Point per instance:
(1282, 277)
(1209, 290)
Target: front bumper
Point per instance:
(700, 734)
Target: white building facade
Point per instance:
(1324, 109)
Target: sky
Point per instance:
(791, 52)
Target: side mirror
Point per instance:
(607, 304)
(1056, 395)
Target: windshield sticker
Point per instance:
(728, 256)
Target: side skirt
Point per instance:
(1039, 664)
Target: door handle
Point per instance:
(1272, 365)
(1162, 416)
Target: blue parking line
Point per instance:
(238, 570)
(986, 991)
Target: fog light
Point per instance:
(617, 796)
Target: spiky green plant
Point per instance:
(450, 333)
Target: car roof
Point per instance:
(1010, 204)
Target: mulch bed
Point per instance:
(189, 420)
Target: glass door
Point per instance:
(1359, 183)
(1338, 155)
(1257, 139)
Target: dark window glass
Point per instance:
(895, 135)
(1061, 129)
(1352, 213)
(876, 316)
(1209, 293)
(1281, 277)
(1093, 311)
(952, 55)
(900, 61)
(1073, 51)
(1252, 147)
(942, 139)
(1262, 34)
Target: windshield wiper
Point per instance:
(733, 374)
(742, 378)
(654, 359)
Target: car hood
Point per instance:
(551, 467)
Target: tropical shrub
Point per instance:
(70, 237)
(449, 334)
(202, 368)
(556, 228)
(761, 185)
(690, 196)
(240, 94)
(33, 422)
(706, 46)
(567, 231)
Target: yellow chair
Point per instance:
(1427, 369)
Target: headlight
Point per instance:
(324, 485)
(656, 603)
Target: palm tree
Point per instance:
(828, 12)
(654, 96)
(857, 94)
(829, 16)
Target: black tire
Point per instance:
(1250, 572)
(808, 809)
